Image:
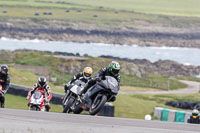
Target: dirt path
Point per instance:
(193, 87)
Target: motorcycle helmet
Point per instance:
(195, 112)
(87, 72)
(114, 68)
(42, 81)
(4, 69)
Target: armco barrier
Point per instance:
(180, 116)
(164, 115)
(187, 116)
(171, 115)
(108, 109)
(157, 113)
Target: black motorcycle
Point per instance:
(103, 91)
(72, 99)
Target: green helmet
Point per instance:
(114, 68)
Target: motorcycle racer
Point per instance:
(112, 70)
(44, 89)
(85, 76)
(4, 83)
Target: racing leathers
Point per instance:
(78, 76)
(46, 92)
(99, 76)
(4, 84)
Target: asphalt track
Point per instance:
(23, 121)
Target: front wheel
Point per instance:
(78, 109)
(98, 104)
(67, 107)
(34, 108)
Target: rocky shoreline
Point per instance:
(141, 67)
(121, 35)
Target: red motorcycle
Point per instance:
(36, 102)
(1, 88)
(1, 92)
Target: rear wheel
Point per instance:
(97, 105)
(68, 105)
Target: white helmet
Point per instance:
(87, 72)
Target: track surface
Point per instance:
(22, 121)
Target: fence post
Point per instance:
(168, 84)
(150, 83)
(199, 88)
(63, 75)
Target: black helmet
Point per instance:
(42, 81)
(4, 69)
(114, 68)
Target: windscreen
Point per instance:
(79, 83)
(110, 83)
(37, 95)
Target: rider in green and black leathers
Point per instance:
(112, 70)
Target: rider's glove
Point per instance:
(66, 87)
(46, 100)
(68, 84)
(98, 79)
(2, 92)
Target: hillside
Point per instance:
(145, 23)
(59, 68)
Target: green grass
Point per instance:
(26, 78)
(22, 77)
(170, 7)
(130, 11)
(189, 79)
(167, 7)
(151, 81)
(137, 106)
(36, 59)
(104, 17)
(159, 81)
(170, 97)
(127, 106)
(18, 102)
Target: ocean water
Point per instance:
(187, 56)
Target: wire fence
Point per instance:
(148, 83)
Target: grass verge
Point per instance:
(137, 106)
(18, 102)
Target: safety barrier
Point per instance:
(108, 109)
(163, 114)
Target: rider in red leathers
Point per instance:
(44, 89)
